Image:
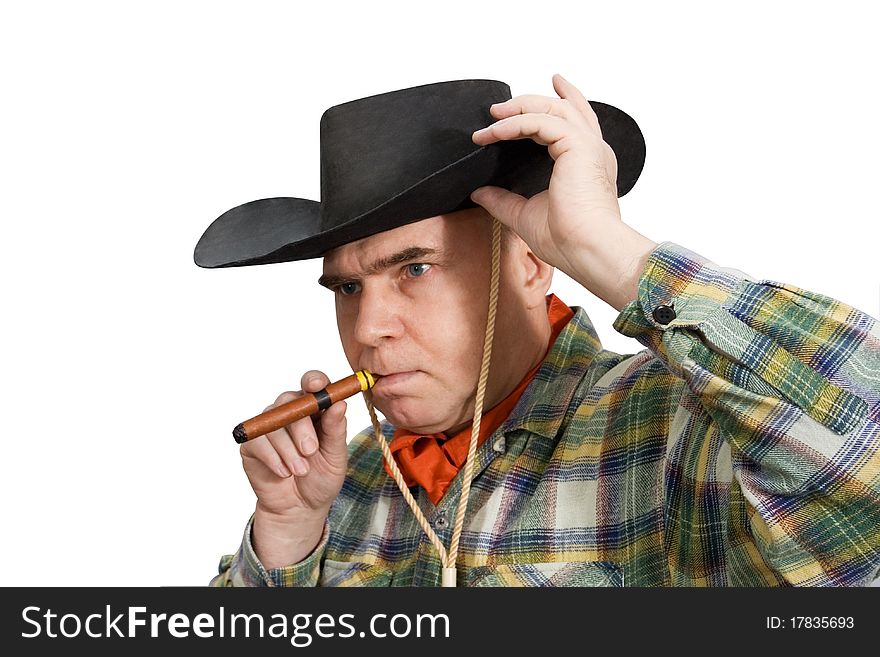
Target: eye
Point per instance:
(417, 269)
(347, 289)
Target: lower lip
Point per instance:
(394, 381)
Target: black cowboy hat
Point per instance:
(395, 158)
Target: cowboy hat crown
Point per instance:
(396, 158)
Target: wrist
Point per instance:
(611, 265)
(283, 540)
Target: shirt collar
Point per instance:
(547, 400)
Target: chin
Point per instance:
(413, 415)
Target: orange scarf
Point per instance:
(432, 461)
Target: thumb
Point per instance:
(505, 206)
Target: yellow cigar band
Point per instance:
(366, 379)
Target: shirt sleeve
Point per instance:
(244, 568)
(789, 382)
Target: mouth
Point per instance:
(394, 381)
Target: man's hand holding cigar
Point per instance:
(296, 473)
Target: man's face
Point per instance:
(411, 305)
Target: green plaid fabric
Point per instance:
(740, 448)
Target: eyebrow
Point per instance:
(406, 255)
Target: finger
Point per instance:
(304, 435)
(541, 128)
(502, 204)
(572, 94)
(304, 432)
(259, 452)
(292, 441)
(288, 450)
(534, 104)
(314, 380)
(327, 433)
(333, 429)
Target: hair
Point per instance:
(507, 236)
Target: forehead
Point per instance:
(447, 232)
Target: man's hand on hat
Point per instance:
(575, 225)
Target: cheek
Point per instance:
(345, 323)
(450, 329)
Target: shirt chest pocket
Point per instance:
(354, 573)
(561, 573)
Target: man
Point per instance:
(741, 448)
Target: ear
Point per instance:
(533, 276)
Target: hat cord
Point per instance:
(449, 558)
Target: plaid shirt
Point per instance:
(741, 448)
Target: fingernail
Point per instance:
(283, 471)
(309, 445)
(300, 467)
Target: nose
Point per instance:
(378, 317)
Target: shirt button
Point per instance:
(499, 444)
(440, 522)
(663, 314)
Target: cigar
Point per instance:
(309, 404)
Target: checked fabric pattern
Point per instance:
(741, 448)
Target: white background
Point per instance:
(128, 127)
